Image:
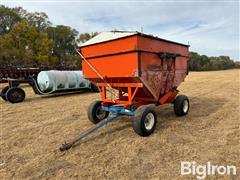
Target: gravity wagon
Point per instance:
(134, 73)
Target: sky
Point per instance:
(210, 27)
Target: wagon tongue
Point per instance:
(68, 145)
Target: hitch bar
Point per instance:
(115, 111)
(68, 145)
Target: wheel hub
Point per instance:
(100, 113)
(16, 95)
(149, 121)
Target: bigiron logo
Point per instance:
(202, 171)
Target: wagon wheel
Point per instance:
(3, 93)
(15, 95)
(145, 120)
(181, 105)
(96, 113)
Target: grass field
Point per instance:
(33, 129)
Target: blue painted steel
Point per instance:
(115, 111)
(119, 109)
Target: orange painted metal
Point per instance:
(146, 68)
(110, 47)
(168, 97)
(116, 66)
(122, 84)
(132, 89)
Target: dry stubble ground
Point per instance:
(31, 130)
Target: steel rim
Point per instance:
(185, 106)
(100, 113)
(149, 121)
(16, 95)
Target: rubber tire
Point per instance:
(139, 117)
(11, 98)
(94, 88)
(178, 105)
(92, 112)
(3, 93)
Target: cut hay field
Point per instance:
(33, 129)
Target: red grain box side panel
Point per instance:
(110, 47)
(115, 66)
(152, 44)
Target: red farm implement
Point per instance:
(134, 72)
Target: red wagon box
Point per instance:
(133, 58)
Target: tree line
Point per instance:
(199, 62)
(30, 39)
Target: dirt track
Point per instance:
(210, 132)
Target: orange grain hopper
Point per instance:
(134, 72)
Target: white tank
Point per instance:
(50, 81)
